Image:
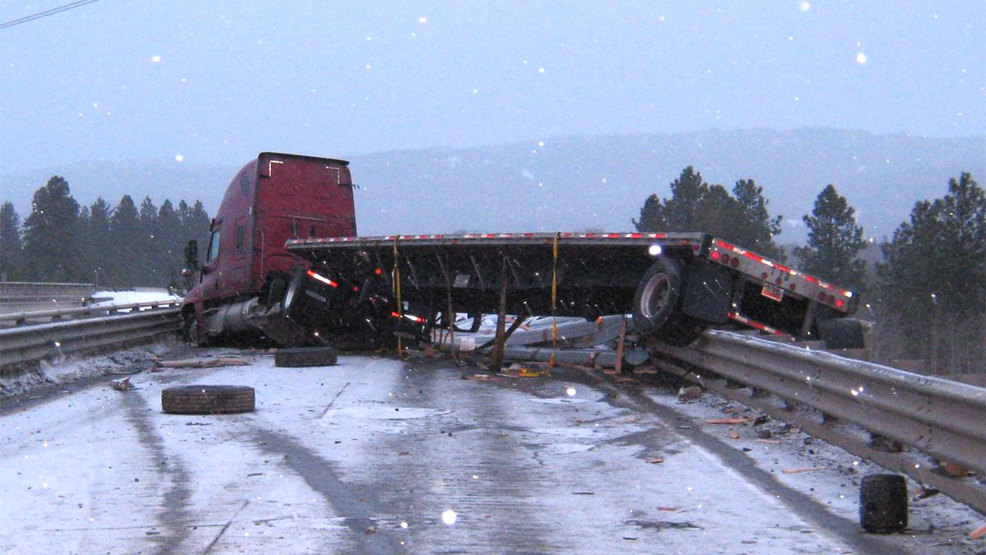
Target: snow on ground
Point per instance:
(830, 474)
(464, 462)
(140, 295)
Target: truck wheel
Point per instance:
(305, 356)
(657, 295)
(842, 333)
(190, 331)
(883, 503)
(208, 399)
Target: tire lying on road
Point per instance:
(883, 503)
(208, 399)
(305, 356)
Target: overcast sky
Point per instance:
(216, 82)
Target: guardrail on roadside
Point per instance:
(35, 342)
(37, 316)
(943, 419)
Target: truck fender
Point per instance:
(657, 295)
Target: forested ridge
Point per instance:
(111, 246)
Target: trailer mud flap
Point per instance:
(708, 292)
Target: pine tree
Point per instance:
(933, 279)
(755, 228)
(125, 234)
(695, 205)
(11, 247)
(51, 245)
(834, 241)
(98, 246)
(171, 240)
(149, 246)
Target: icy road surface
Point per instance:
(378, 456)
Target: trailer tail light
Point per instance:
(323, 279)
(411, 317)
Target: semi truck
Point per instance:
(286, 263)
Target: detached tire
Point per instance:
(842, 333)
(305, 356)
(208, 399)
(657, 296)
(883, 503)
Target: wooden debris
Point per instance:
(202, 362)
(743, 420)
(734, 435)
(667, 508)
(655, 460)
(978, 533)
(805, 469)
(122, 385)
(770, 441)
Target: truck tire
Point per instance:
(842, 333)
(208, 399)
(657, 295)
(305, 356)
(883, 503)
(190, 331)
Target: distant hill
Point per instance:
(578, 183)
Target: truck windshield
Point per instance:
(213, 246)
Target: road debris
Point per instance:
(122, 385)
(202, 362)
(804, 469)
(743, 420)
(978, 533)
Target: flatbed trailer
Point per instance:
(673, 284)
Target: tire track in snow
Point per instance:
(172, 515)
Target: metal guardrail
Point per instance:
(16, 296)
(31, 343)
(943, 419)
(22, 318)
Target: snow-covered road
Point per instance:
(378, 456)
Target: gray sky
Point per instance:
(218, 81)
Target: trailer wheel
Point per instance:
(305, 356)
(208, 399)
(657, 295)
(883, 503)
(190, 331)
(842, 333)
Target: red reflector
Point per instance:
(734, 262)
(839, 303)
(715, 255)
(378, 271)
(821, 296)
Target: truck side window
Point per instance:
(240, 235)
(213, 246)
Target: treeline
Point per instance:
(925, 293)
(112, 246)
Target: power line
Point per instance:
(46, 13)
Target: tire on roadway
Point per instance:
(299, 357)
(208, 399)
(883, 503)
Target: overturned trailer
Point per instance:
(674, 284)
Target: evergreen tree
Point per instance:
(11, 248)
(195, 224)
(755, 228)
(99, 247)
(834, 241)
(697, 206)
(172, 241)
(149, 247)
(51, 245)
(933, 279)
(125, 234)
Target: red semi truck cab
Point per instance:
(272, 199)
